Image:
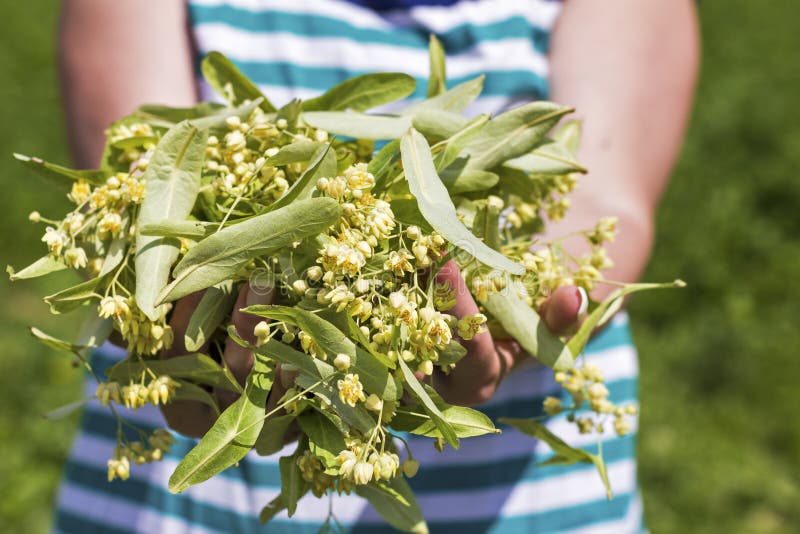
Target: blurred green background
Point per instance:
(719, 440)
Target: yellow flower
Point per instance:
(55, 239)
(351, 391)
(119, 468)
(471, 325)
(76, 257)
(80, 192)
(362, 473)
(111, 223)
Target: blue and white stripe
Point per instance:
(492, 483)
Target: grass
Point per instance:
(719, 441)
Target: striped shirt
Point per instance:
(492, 483)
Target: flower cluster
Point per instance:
(159, 390)
(158, 444)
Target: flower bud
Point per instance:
(342, 362)
(410, 468)
(261, 329)
(374, 403)
(314, 273)
(426, 368)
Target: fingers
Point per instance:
(192, 418)
(237, 358)
(563, 311)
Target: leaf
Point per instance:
(189, 229)
(311, 367)
(487, 225)
(233, 434)
(59, 174)
(363, 92)
(272, 436)
(116, 250)
(40, 267)
(437, 79)
(469, 181)
(215, 304)
(357, 417)
(293, 487)
(439, 124)
(512, 134)
(218, 120)
(175, 115)
(55, 343)
(373, 374)
(466, 422)
(325, 441)
(606, 310)
(454, 100)
(395, 502)
(220, 255)
(452, 353)
(273, 508)
(198, 368)
(526, 327)
(74, 297)
(569, 136)
(172, 181)
(297, 152)
(230, 83)
(189, 391)
(549, 157)
(68, 409)
(419, 393)
(358, 125)
(453, 146)
(437, 208)
(323, 165)
(383, 162)
(565, 452)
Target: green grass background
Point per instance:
(720, 435)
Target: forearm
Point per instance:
(629, 68)
(115, 56)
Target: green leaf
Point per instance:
(363, 92)
(272, 436)
(466, 422)
(452, 353)
(566, 454)
(218, 120)
(454, 100)
(198, 368)
(453, 146)
(512, 134)
(55, 343)
(569, 136)
(325, 441)
(358, 125)
(115, 254)
(437, 80)
(189, 229)
(233, 434)
(297, 152)
(606, 310)
(311, 367)
(230, 83)
(273, 508)
(93, 332)
(189, 391)
(437, 208)
(215, 304)
(174, 115)
(383, 163)
(395, 502)
(550, 158)
(468, 181)
(487, 225)
(419, 393)
(357, 417)
(40, 267)
(439, 124)
(220, 255)
(293, 487)
(323, 165)
(373, 374)
(172, 181)
(59, 174)
(526, 327)
(74, 297)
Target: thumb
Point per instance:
(563, 311)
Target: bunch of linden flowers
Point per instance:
(349, 234)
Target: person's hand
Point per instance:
(476, 377)
(194, 418)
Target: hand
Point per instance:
(477, 376)
(194, 418)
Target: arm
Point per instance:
(114, 56)
(629, 68)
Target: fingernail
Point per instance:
(584, 301)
